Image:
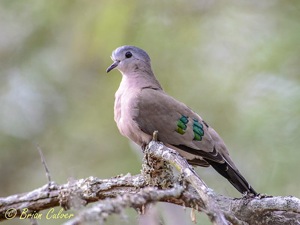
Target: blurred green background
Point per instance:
(236, 63)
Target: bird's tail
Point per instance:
(233, 176)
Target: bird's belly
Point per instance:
(125, 110)
(130, 129)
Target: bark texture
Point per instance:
(156, 183)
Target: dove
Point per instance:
(142, 107)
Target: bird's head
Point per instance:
(129, 59)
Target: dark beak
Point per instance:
(112, 66)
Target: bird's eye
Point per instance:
(128, 54)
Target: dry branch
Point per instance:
(115, 194)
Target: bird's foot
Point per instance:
(249, 195)
(155, 136)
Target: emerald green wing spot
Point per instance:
(184, 119)
(198, 130)
(197, 137)
(180, 131)
(181, 124)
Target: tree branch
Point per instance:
(156, 183)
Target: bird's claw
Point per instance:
(155, 136)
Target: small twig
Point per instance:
(44, 164)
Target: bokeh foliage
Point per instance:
(236, 63)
